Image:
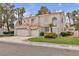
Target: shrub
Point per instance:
(5, 32)
(11, 32)
(66, 33)
(41, 33)
(50, 35)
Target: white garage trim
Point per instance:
(22, 32)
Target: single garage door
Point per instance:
(34, 32)
(22, 32)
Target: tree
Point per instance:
(50, 26)
(20, 13)
(43, 10)
(77, 23)
(1, 19)
(8, 13)
(73, 14)
(69, 17)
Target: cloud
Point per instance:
(77, 3)
(27, 13)
(30, 6)
(59, 4)
(29, 9)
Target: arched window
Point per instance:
(32, 20)
(54, 21)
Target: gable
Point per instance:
(34, 20)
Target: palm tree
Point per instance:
(50, 26)
(74, 13)
(20, 12)
(69, 17)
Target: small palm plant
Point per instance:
(50, 26)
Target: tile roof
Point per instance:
(45, 14)
(28, 24)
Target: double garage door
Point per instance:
(22, 32)
(34, 32)
(26, 32)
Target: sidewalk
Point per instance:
(24, 40)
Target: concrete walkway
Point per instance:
(24, 40)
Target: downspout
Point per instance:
(39, 24)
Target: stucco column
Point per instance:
(49, 30)
(29, 31)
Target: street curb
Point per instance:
(69, 47)
(43, 44)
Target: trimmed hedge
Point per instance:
(11, 32)
(66, 33)
(50, 35)
(41, 33)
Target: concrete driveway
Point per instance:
(13, 39)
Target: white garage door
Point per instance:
(34, 32)
(22, 32)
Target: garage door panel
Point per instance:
(23, 32)
(34, 33)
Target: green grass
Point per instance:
(59, 40)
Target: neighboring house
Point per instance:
(69, 27)
(1, 29)
(33, 25)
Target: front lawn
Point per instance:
(59, 40)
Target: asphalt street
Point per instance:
(14, 49)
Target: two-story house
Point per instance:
(33, 25)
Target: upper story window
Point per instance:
(32, 20)
(54, 21)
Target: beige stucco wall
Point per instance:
(44, 21)
(48, 20)
(22, 32)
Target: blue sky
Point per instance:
(32, 8)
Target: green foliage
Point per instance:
(20, 11)
(66, 33)
(68, 15)
(11, 32)
(7, 14)
(41, 33)
(58, 40)
(50, 35)
(72, 15)
(50, 26)
(43, 10)
(77, 22)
